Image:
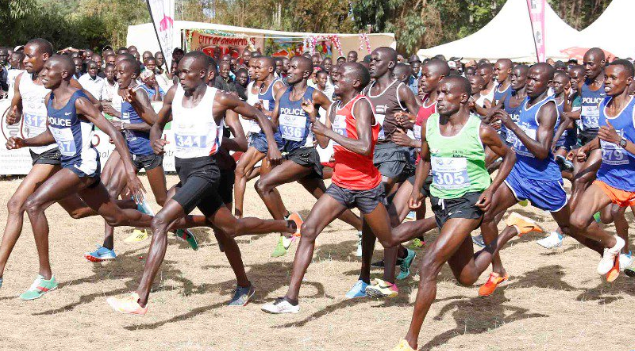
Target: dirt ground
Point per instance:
(554, 300)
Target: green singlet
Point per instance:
(458, 162)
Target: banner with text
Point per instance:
(537, 17)
(162, 15)
(218, 45)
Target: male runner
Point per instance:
(453, 146)
(502, 71)
(486, 71)
(535, 176)
(197, 113)
(302, 159)
(616, 177)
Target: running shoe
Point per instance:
(404, 268)
(358, 253)
(417, 243)
(298, 221)
(478, 240)
(614, 272)
(554, 240)
(412, 216)
(380, 288)
(358, 290)
(630, 271)
(523, 203)
(597, 217)
(242, 295)
(523, 224)
(144, 208)
(608, 258)
(185, 234)
(281, 247)
(381, 264)
(101, 254)
(0, 282)
(281, 305)
(403, 346)
(626, 260)
(39, 287)
(128, 304)
(138, 235)
(491, 284)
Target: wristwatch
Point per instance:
(623, 142)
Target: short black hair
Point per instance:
(66, 63)
(628, 66)
(461, 81)
(43, 45)
(134, 63)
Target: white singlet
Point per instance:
(34, 109)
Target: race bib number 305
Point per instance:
(450, 172)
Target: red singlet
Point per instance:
(424, 113)
(353, 171)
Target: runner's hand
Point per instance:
(12, 116)
(402, 139)
(609, 134)
(14, 143)
(485, 200)
(471, 103)
(108, 109)
(136, 189)
(118, 125)
(129, 95)
(274, 155)
(159, 146)
(415, 199)
(318, 128)
(502, 115)
(581, 154)
(309, 108)
(259, 105)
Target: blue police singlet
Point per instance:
(618, 165)
(561, 140)
(138, 141)
(73, 135)
(527, 164)
(514, 114)
(591, 106)
(500, 95)
(267, 98)
(293, 121)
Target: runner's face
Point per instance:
(475, 84)
(296, 73)
(343, 80)
(537, 82)
(125, 74)
(593, 65)
(190, 75)
(501, 72)
(616, 80)
(429, 79)
(486, 73)
(448, 99)
(379, 64)
(51, 75)
(577, 78)
(559, 83)
(518, 79)
(33, 59)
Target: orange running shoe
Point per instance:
(128, 304)
(523, 224)
(298, 221)
(491, 284)
(614, 272)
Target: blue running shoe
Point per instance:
(242, 295)
(412, 215)
(478, 240)
(404, 268)
(358, 290)
(0, 282)
(101, 254)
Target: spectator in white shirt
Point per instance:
(91, 82)
(110, 84)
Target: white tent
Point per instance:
(144, 38)
(509, 35)
(611, 31)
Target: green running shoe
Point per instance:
(417, 243)
(39, 287)
(188, 236)
(596, 216)
(404, 268)
(282, 246)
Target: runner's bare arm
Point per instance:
(141, 104)
(609, 134)
(15, 111)
(422, 171)
(90, 112)
(320, 100)
(408, 99)
(42, 139)
(322, 140)
(275, 114)
(239, 141)
(164, 116)
(364, 120)
(565, 122)
(490, 138)
(544, 136)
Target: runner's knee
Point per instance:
(577, 221)
(309, 232)
(33, 205)
(15, 205)
(159, 223)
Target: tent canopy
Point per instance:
(144, 38)
(509, 35)
(611, 30)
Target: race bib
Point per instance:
(450, 172)
(65, 141)
(292, 127)
(613, 154)
(590, 117)
(339, 126)
(417, 131)
(35, 124)
(190, 141)
(380, 119)
(519, 147)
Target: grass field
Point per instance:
(554, 300)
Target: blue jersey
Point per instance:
(527, 164)
(618, 165)
(138, 141)
(562, 139)
(72, 134)
(590, 106)
(267, 97)
(293, 121)
(514, 114)
(500, 95)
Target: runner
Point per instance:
(615, 179)
(356, 182)
(535, 176)
(302, 160)
(197, 113)
(453, 147)
(486, 71)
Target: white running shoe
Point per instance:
(358, 253)
(608, 258)
(552, 241)
(281, 305)
(626, 260)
